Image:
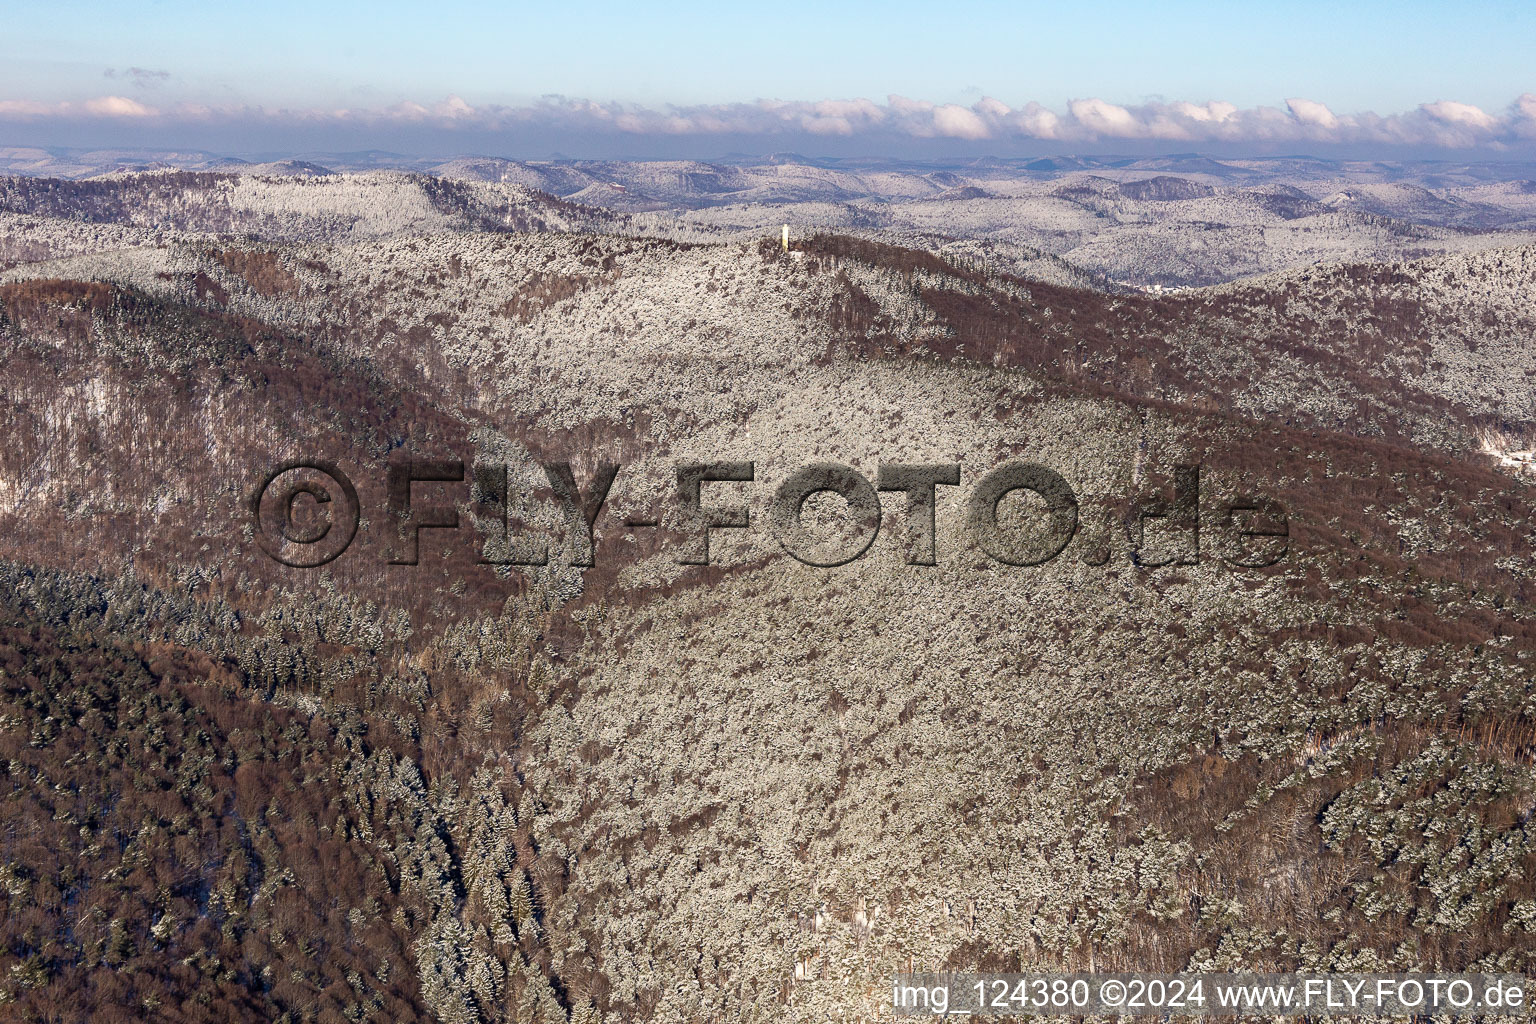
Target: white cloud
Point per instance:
(1209, 112)
(1035, 122)
(454, 109)
(1460, 114)
(956, 122)
(1106, 119)
(1443, 123)
(1311, 113)
(1522, 116)
(17, 110)
(117, 106)
(991, 107)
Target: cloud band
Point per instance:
(1442, 124)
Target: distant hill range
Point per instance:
(1101, 222)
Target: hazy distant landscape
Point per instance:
(651, 791)
(1098, 222)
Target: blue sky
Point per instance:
(1388, 58)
